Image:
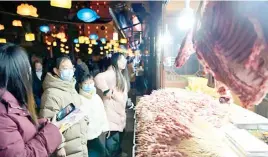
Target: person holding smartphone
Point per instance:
(59, 91)
(114, 84)
(21, 133)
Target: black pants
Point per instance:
(96, 148)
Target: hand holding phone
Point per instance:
(65, 111)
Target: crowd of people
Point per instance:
(32, 96)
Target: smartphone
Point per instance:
(65, 111)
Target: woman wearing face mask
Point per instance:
(114, 84)
(59, 91)
(38, 76)
(21, 134)
(98, 123)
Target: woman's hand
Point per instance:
(61, 152)
(109, 94)
(55, 122)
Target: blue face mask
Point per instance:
(89, 88)
(67, 74)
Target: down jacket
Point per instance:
(19, 137)
(114, 107)
(58, 94)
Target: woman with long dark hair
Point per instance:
(21, 134)
(114, 84)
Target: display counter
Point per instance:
(179, 123)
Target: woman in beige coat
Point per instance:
(114, 84)
(59, 91)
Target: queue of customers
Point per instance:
(27, 133)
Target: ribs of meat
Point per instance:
(231, 43)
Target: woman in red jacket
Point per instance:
(21, 134)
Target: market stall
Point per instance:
(180, 123)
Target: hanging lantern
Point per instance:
(106, 47)
(93, 36)
(61, 35)
(44, 29)
(109, 45)
(87, 42)
(67, 51)
(87, 15)
(54, 43)
(116, 44)
(54, 35)
(86, 39)
(76, 41)
(3, 40)
(61, 3)
(48, 48)
(48, 43)
(90, 45)
(16, 23)
(123, 41)
(64, 40)
(115, 36)
(103, 40)
(101, 53)
(62, 50)
(76, 49)
(2, 27)
(27, 10)
(61, 45)
(67, 47)
(29, 37)
(81, 39)
(94, 42)
(90, 51)
(101, 48)
(77, 45)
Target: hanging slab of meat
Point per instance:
(186, 50)
(231, 43)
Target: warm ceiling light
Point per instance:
(81, 39)
(29, 37)
(3, 40)
(16, 23)
(61, 3)
(64, 40)
(2, 27)
(27, 10)
(123, 41)
(61, 35)
(115, 36)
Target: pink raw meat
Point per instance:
(231, 44)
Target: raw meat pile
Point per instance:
(230, 40)
(163, 120)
